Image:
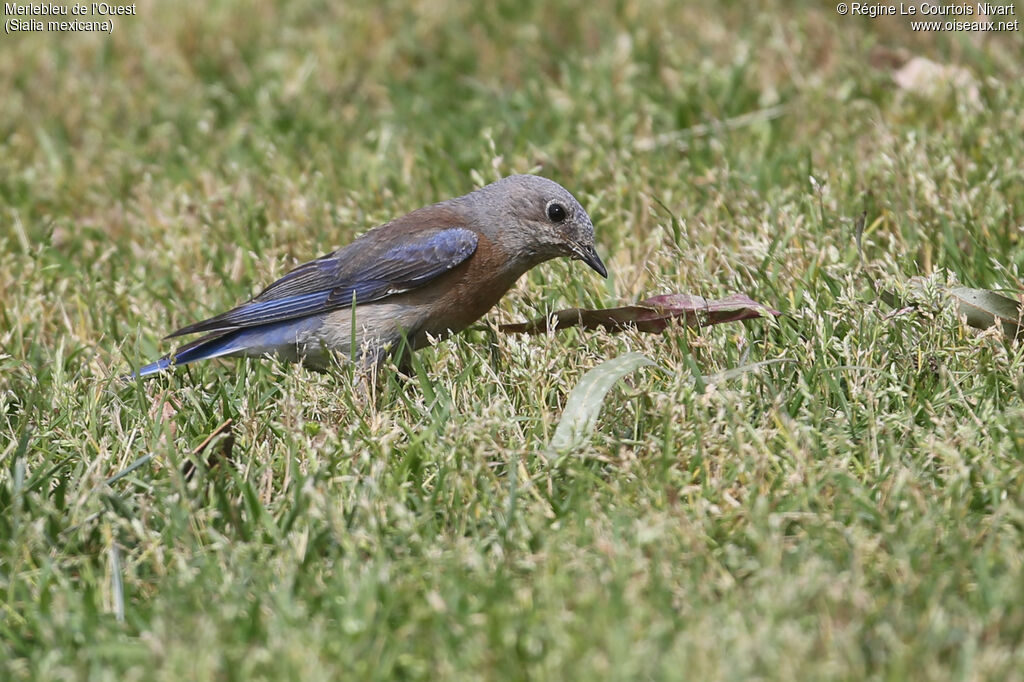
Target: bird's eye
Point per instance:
(557, 212)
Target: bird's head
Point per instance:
(536, 219)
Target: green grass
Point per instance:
(855, 514)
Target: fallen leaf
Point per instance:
(984, 308)
(651, 315)
(926, 78)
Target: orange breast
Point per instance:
(461, 297)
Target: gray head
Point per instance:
(535, 218)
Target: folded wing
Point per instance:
(367, 270)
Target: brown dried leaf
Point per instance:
(652, 315)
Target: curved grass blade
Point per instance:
(579, 419)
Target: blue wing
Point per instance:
(375, 266)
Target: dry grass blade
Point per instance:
(223, 451)
(726, 375)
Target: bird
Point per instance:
(401, 285)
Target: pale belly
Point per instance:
(377, 329)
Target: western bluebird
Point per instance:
(426, 275)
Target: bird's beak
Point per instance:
(588, 255)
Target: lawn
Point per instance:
(853, 509)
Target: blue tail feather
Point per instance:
(261, 340)
(211, 346)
